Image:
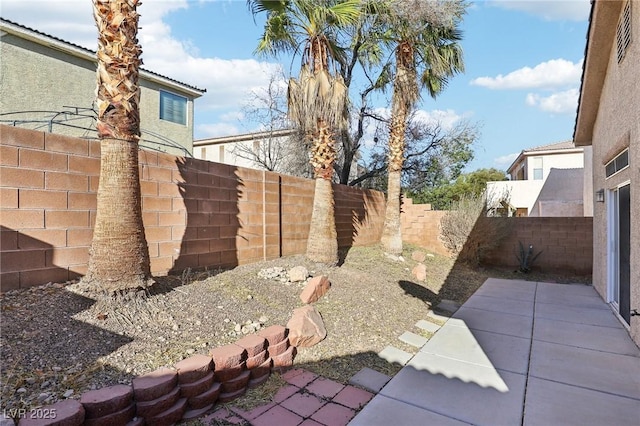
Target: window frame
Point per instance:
(174, 97)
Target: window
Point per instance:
(617, 164)
(173, 108)
(623, 32)
(537, 168)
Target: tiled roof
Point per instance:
(554, 146)
(92, 52)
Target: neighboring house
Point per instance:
(609, 121)
(49, 84)
(542, 169)
(267, 150)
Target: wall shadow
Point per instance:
(418, 291)
(211, 194)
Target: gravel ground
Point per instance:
(58, 343)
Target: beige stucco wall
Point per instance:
(616, 127)
(554, 161)
(34, 77)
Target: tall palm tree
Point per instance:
(316, 98)
(424, 35)
(119, 257)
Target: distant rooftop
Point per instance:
(569, 144)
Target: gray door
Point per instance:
(624, 250)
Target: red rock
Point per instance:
(262, 370)
(64, 413)
(306, 327)
(226, 397)
(237, 383)
(253, 344)
(194, 368)
(286, 359)
(170, 416)
(205, 398)
(195, 413)
(279, 348)
(420, 272)
(315, 289)
(227, 356)
(255, 361)
(274, 334)
(188, 390)
(158, 405)
(118, 418)
(101, 402)
(155, 384)
(229, 373)
(418, 256)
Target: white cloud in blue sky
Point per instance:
(550, 74)
(565, 102)
(574, 10)
(505, 161)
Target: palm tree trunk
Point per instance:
(391, 232)
(322, 244)
(119, 256)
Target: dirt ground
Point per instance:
(57, 342)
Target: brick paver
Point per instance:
(304, 404)
(353, 397)
(277, 416)
(299, 377)
(334, 415)
(324, 387)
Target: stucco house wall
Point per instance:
(41, 73)
(609, 121)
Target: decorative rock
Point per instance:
(278, 349)
(118, 418)
(227, 356)
(155, 384)
(105, 401)
(420, 272)
(237, 383)
(170, 416)
(263, 369)
(298, 273)
(193, 368)
(255, 361)
(206, 398)
(306, 327)
(315, 289)
(274, 334)
(418, 256)
(158, 405)
(286, 359)
(68, 413)
(253, 344)
(229, 373)
(196, 388)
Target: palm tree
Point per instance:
(119, 257)
(425, 38)
(316, 98)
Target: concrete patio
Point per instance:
(518, 353)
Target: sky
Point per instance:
(523, 64)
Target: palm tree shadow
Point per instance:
(418, 291)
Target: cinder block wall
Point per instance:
(196, 213)
(421, 226)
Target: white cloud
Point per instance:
(445, 118)
(560, 103)
(550, 10)
(216, 129)
(551, 74)
(505, 160)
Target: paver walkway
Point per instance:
(518, 353)
(307, 400)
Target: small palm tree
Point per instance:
(316, 98)
(424, 36)
(119, 257)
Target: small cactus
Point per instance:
(526, 258)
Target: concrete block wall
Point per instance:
(196, 213)
(421, 226)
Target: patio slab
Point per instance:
(493, 350)
(552, 403)
(607, 339)
(601, 317)
(413, 339)
(392, 355)
(508, 306)
(597, 370)
(496, 322)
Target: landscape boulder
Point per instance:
(418, 256)
(315, 289)
(306, 327)
(298, 273)
(420, 272)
